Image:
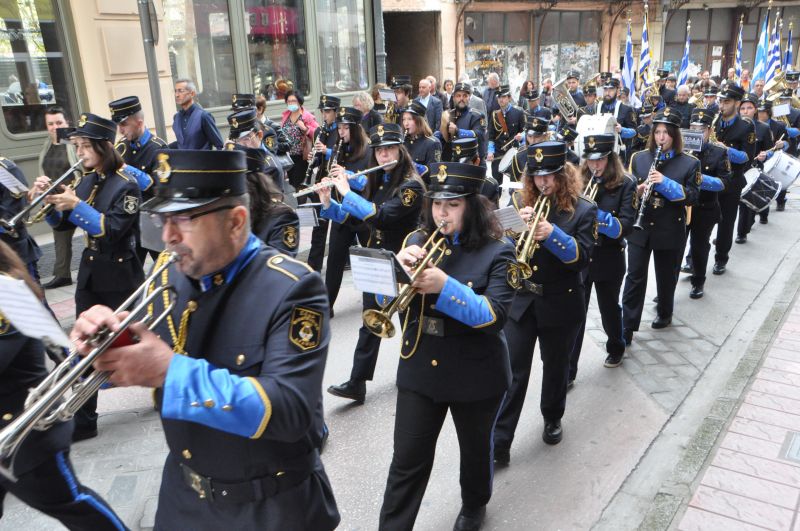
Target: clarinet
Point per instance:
(335, 157)
(648, 191)
(313, 165)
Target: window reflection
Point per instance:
(342, 45)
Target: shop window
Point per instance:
(568, 40)
(276, 41)
(199, 41)
(341, 27)
(33, 65)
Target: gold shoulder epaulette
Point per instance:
(285, 264)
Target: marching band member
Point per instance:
(11, 204)
(534, 107)
(105, 204)
(568, 135)
(462, 121)
(45, 477)
(238, 390)
(453, 356)
(466, 151)
(401, 85)
(716, 175)
(550, 304)
(389, 207)
(419, 140)
(739, 137)
(780, 130)
(748, 110)
(247, 132)
(506, 128)
(615, 214)
(272, 220)
(643, 130)
(536, 130)
(675, 180)
(355, 154)
(792, 131)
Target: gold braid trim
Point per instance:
(178, 337)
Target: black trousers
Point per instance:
(781, 200)
(729, 206)
(53, 489)
(342, 238)
(699, 233)
(610, 314)
(418, 421)
(746, 219)
(86, 416)
(365, 357)
(555, 345)
(319, 235)
(496, 168)
(667, 262)
(297, 173)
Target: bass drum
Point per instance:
(508, 158)
(595, 124)
(760, 190)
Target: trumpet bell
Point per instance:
(379, 323)
(524, 269)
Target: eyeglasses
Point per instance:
(182, 221)
(181, 91)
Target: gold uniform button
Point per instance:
(191, 306)
(119, 259)
(8, 416)
(208, 403)
(91, 258)
(434, 363)
(452, 297)
(536, 268)
(240, 359)
(186, 454)
(277, 260)
(469, 284)
(433, 306)
(448, 252)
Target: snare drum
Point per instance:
(761, 189)
(783, 168)
(508, 158)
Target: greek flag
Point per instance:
(787, 61)
(738, 64)
(760, 65)
(774, 55)
(645, 57)
(628, 71)
(683, 75)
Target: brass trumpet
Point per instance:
(379, 322)
(48, 402)
(590, 192)
(526, 243)
(11, 224)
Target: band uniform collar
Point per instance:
(229, 272)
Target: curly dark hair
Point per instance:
(567, 191)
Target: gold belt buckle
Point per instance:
(197, 484)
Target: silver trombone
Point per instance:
(48, 402)
(11, 224)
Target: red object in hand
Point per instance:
(125, 338)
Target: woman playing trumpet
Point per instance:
(389, 206)
(612, 190)
(453, 355)
(550, 303)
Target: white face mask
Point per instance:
(293, 107)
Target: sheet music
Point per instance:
(307, 215)
(387, 94)
(28, 315)
(373, 274)
(781, 110)
(11, 182)
(509, 219)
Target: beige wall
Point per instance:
(109, 41)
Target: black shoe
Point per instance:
(655, 299)
(661, 322)
(353, 390)
(613, 360)
(741, 239)
(763, 221)
(627, 335)
(696, 293)
(570, 384)
(470, 519)
(686, 268)
(81, 434)
(331, 314)
(714, 241)
(58, 282)
(719, 269)
(780, 207)
(502, 456)
(552, 432)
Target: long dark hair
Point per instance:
(673, 132)
(612, 176)
(110, 159)
(566, 196)
(404, 169)
(357, 145)
(262, 190)
(478, 225)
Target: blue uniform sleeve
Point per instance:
(54, 218)
(627, 132)
(196, 391)
(793, 132)
(142, 179)
(356, 183)
(354, 204)
(88, 219)
(736, 156)
(328, 153)
(467, 133)
(608, 224)
(711, 184)
(421, 168)
(490, 147)
(334, 212)
(461, 303)
(438, 136)
(670, 189)
(562, 245)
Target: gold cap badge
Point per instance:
(538, 156)
(83, 120)
(234, 122)
(590, 142)
(666, 111)
(164, 170)
(380, 131)
(442, 175)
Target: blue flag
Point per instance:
(683, 75)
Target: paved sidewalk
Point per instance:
(753, 478)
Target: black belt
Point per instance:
(550, 287)
(246, 491)
(536, 289)
(440, 327)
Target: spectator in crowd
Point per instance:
(194, 127)
(364, 103)
(436, 92)
(490, 93)
(448, 92)
(298, 125)
(433, 105)
(526, 87)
